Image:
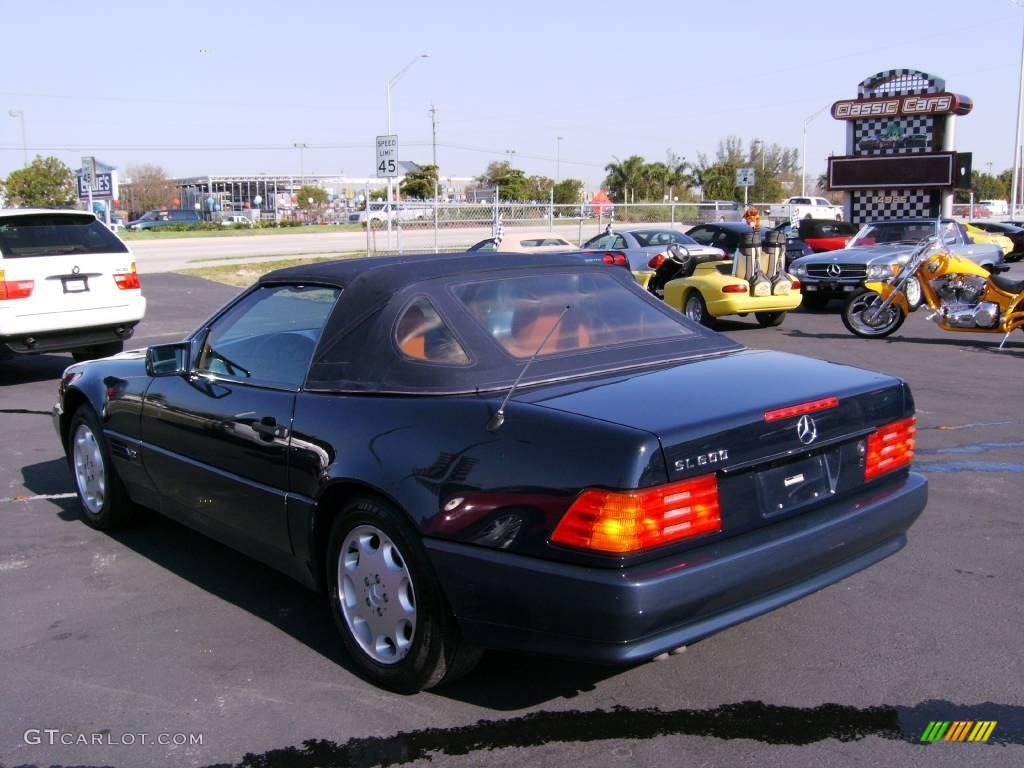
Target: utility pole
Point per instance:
(433, 131)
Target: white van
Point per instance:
(67, 284)
(996, 207)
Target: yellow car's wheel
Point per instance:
(695, 309)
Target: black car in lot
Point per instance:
(726, 235)
(1013, 231)
(466, 452)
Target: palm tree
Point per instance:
(624, 175)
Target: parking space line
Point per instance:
(38, 497)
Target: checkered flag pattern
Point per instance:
(894, 136)
(900, 82)
(873, 204)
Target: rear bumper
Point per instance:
(738, 304)
(65, 341)
(513, 602)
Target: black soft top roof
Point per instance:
(357, 351)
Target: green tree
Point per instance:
(511, 182)
(307, 192)
(45, 183)
(988, 187)
(625, 177)
(419, 184)
(567, 191)
(539, 188)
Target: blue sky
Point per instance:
(128, 82)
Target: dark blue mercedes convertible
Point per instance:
(511, 451)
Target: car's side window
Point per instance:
(421, 334)
(702, 235)
(269, 336)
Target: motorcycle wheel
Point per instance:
(857, 319)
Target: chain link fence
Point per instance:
(414, 226)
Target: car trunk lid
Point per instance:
(728, 416)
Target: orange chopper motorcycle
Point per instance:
(960, 294)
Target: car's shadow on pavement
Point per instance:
(511, 681)
(502, 681)
(27, 369)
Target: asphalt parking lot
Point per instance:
(158, 630)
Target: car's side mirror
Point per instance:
(168, 359)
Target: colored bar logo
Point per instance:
(958, 730)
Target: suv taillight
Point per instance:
(15, 289)
(890, 448)
(621, 522)
(128, 280)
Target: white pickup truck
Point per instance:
(797, 208)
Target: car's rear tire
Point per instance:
(97, 351)
(105, 503)
(770, 319)
(387, 604)
(695, 309)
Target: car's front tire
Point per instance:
(815, 302)
(387, 603)
(105, 504)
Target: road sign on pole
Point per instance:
(387, 157)
(744, 177)
(89, 171)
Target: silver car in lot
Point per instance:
(643, 244)
(871, 254)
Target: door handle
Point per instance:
(267, 428)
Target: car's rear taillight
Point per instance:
(796, 285)
(656, 261)
(15, 289)
(620, 522)
(735, 288)
(128, 280)
(614, 257)
(890, 447)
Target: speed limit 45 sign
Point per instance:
(387, 156)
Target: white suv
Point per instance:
(67, 284)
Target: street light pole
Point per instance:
(20, 114)
(390, 84)
(558, 159)
(803, 152)
(1016, 138)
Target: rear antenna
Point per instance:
(499, 416)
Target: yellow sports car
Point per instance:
(705, 290)
(981, 236)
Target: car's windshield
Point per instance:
(657, 237)
(895, 232)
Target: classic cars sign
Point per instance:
(902, 106)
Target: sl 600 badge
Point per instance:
(702, 460)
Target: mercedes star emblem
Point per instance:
(806, 430)
(834, 270)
